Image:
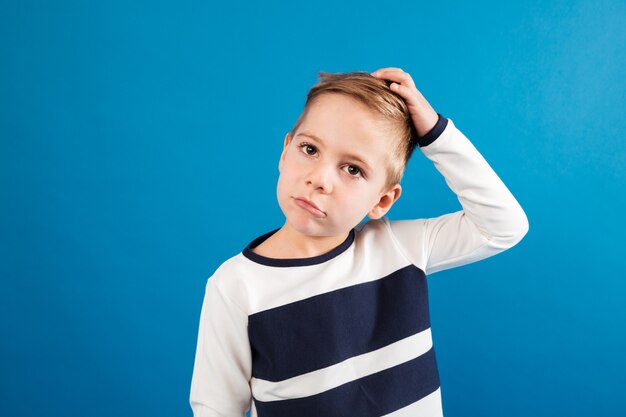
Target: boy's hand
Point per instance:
(423, 115)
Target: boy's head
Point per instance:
(388, 107)
(345, 155)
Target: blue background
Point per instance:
(139, 148)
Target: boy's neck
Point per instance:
(287, 243)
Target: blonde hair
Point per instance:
(378, 97)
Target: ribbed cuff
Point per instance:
(434, 133)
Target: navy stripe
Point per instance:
(435, 132)
(326, 329)
(374, 395)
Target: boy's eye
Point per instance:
(308, 149)
(354, 170)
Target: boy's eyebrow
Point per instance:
(350, 156)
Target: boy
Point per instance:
(328, 316)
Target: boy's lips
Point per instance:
(310, 206)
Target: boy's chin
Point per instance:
(312, 229)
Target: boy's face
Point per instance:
(342, 171)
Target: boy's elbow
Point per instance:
(510, 235)
(517, 233)
(522, 229)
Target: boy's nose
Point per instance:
(320, 179)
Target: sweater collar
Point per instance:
(287, 262)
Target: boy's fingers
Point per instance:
(389, 69)
(400, 77)
(388, 72)
(398, 88)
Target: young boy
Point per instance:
(327, 315)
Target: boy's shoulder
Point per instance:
(231, 267)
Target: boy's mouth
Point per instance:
(309, 206)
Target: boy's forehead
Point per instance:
(343, 122)
(338, 107)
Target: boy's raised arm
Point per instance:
(491, 220)
(222, 368)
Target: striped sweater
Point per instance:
(347, 333)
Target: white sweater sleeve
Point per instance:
(222, 368)
(490, 222)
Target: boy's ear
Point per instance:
(288, 138)
(385, 202)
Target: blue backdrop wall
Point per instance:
(139, 143)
